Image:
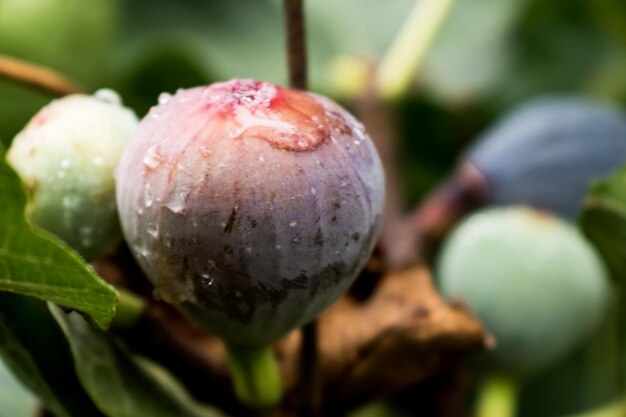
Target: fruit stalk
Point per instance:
(256, 376)
(498, 397)
(296, 43)
(297, 64)
(35, 76)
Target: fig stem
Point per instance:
(296, 43)
(410, 46)
(308, 371)
(36, 76)
(256, 377)
(130, 308)
(498, 396)
(297, 64)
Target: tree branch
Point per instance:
(296, 43)
(41, 78)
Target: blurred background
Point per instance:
(489, 56)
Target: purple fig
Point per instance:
(251, 207)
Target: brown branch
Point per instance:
(297, 64)
(35, 76)
(379, 119)
(423, 229)
(296, 43)
(308, 377)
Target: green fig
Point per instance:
(66, 156)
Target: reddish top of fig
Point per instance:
(250, 206)
(287, 119)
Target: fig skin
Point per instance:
(251, 207)
(66, 156)
(532, 279)
(546, 152)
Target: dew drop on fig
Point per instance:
(152, 230)
(164, 98)
(152, 158)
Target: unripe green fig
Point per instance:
(251, 207)
(532, 279)
(66, 156)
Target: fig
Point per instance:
(537, 285)
(251, 207)
(66, 156)
(546, 152)
(533, 280)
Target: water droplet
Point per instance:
(66, 163)
(206, 280)
(249, 249)
(278, 247)
(293, 223)
(313, 191)
(164, 98)
(97, 160)
(152, 159)
(357, 142)
(148, 199)
(223, 225)
(343, 184)
(178, 201)
(108, 96)
(140, 248)
(153, 230)
(139, 211)
(238, 294)
(261, 158)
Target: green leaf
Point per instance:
(34, 348)
(603, 220)
(121, 383)
(34, 263)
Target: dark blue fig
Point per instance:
(546, 153)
